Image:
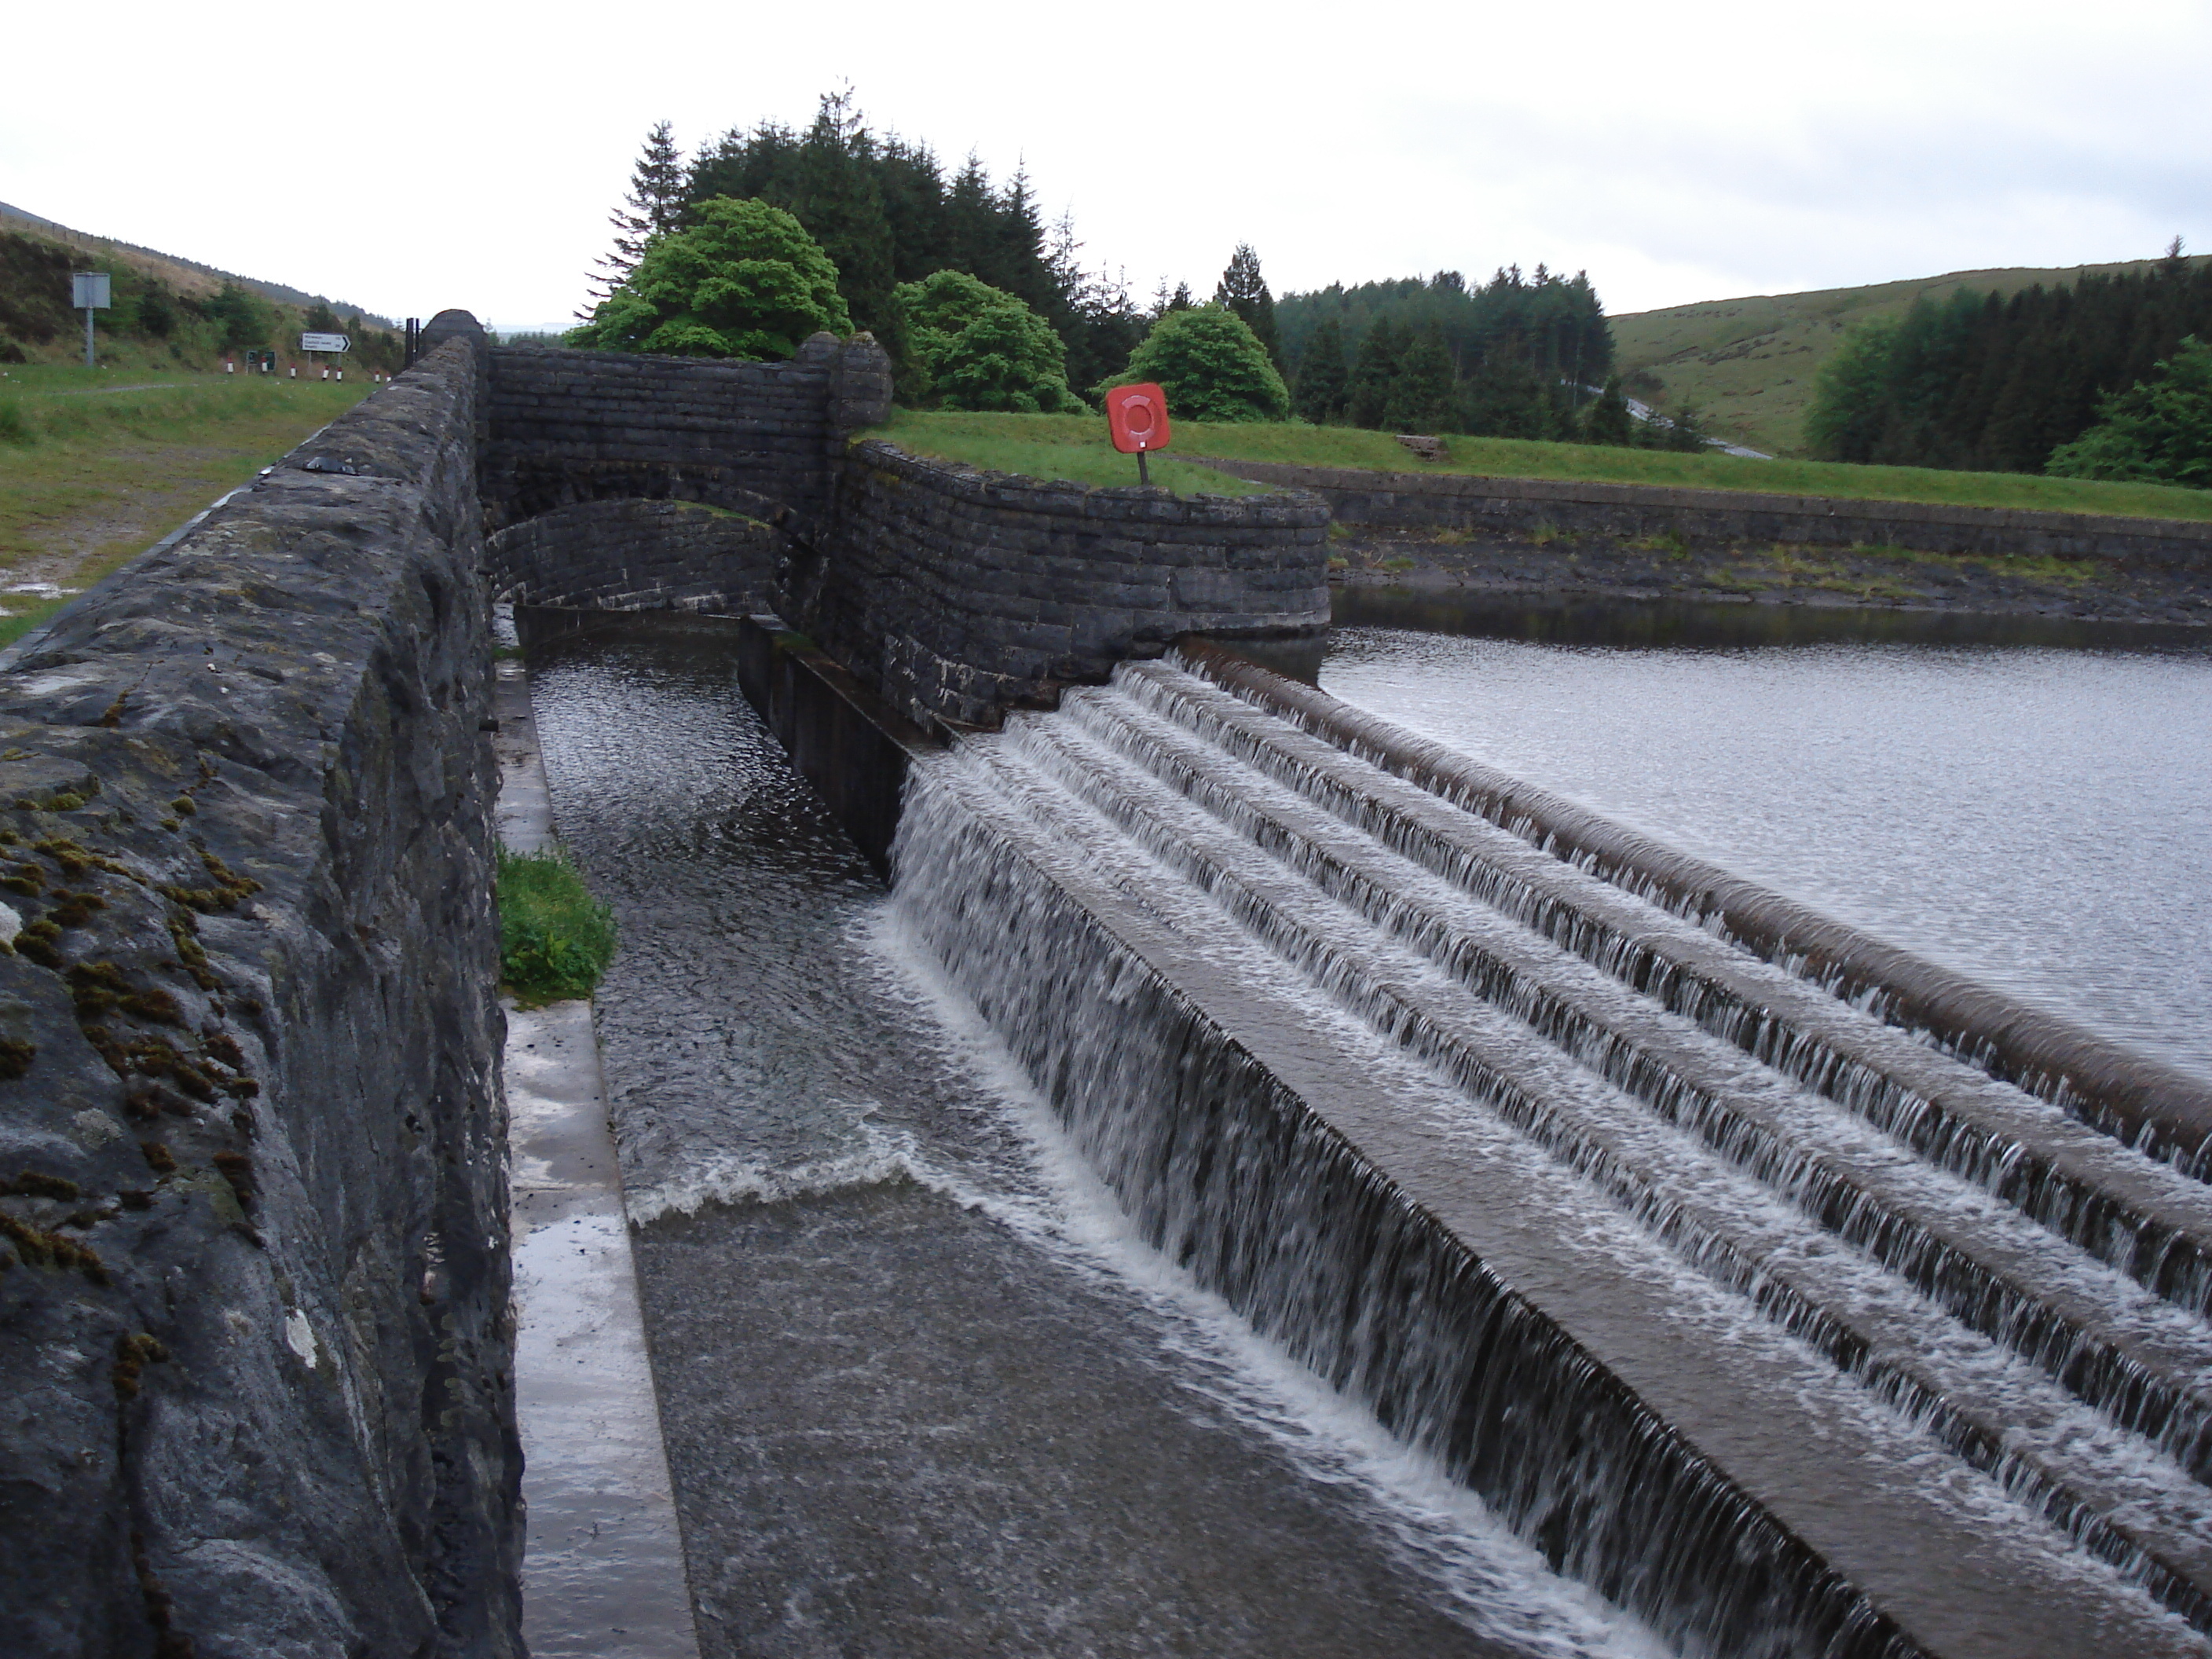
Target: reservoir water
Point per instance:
(2028, 803)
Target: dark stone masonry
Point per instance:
(255, 1336)
(952, 593)
(640, 556)
(957, 595)
(1523, 507)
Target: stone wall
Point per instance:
(957, 593)
(639, 556)
(565, 426)
(255, 1348)
(1526, 507)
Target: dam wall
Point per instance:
(1528, 507)
(957, 595)
(253, 1185)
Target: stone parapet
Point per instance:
(1528, 506)
(257, 1344)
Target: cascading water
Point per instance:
(1783, 1328)
(927, 1389)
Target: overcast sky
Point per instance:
(410, 156)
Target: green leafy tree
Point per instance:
(1373, 372)
(1422, 392)
(1850, 402)
(1244, 291)
(1608, 420)
(970, 345)
(745, 281)
(2158, 431)
(1322, 383)
(1211, 366)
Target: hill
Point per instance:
(168, 313)
(186, 278)
(1749, 363)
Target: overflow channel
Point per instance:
(1798, 1296)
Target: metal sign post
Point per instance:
(1137, 420)
(88, 292)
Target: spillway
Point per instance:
(1802, 1298)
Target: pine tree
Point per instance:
(1322, 383)
(971, 227)
(658, 196)
(1368, 396)
(1244, 291)
(842, 206)
(1421, 392)
(1607, 421)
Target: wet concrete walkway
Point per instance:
(603, 1573)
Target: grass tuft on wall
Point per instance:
(554, 938)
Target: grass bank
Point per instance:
(96, 465)
(1074, 446)
(1070, 447)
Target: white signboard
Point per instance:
(325, 343)
(89, 291)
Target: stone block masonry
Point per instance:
(957, 594)
(565, 426)
(639, 556)
(1543, 506)
(255, 1344)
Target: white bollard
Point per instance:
(295, 371)
(342, 374)
(228, 367)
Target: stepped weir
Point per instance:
(1799, 1296)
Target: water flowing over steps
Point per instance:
(1746, 1298)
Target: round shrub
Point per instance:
(970, 345)
(745, 280)
(1212, 366)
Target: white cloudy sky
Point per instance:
(414, 155)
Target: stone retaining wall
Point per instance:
(564, 427)
(957, 593)
(639, 556)
(1528, 507)
(256, 1346)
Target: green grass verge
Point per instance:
(90, 475)
(14, 624)
(1070, 447)
(554, 938)
(1074, 446)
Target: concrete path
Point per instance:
(603, 1573)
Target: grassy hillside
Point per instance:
(94, 468)
(1074, 446)
(185, 276)
(168, 313)
(1750, 362)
